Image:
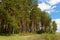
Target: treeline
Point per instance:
(22, 16)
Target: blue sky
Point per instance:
(53, 8)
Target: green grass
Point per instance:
(19, 37)
(48, 36)
(28, 36)
(14, 37)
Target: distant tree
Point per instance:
(45, 21)
(54, 26)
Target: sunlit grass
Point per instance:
(30, 36)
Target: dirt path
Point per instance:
(32, 37)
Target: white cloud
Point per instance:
(48, 11)
(43, 6)
(49, 6)
(54, 7)
(53, 2)
(57, 11)
(58, 24)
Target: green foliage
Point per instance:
(19, 16)
(48, 36)
(54, 26)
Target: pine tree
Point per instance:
(54, 26)
(19, 16)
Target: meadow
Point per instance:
(32, 37)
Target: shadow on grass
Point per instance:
(3, 34)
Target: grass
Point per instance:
(14, 37)
(48, 36)
(22, 36)
(31, 36)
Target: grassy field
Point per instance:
(32, 37)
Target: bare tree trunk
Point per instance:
(23, 25)
(32, 27)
